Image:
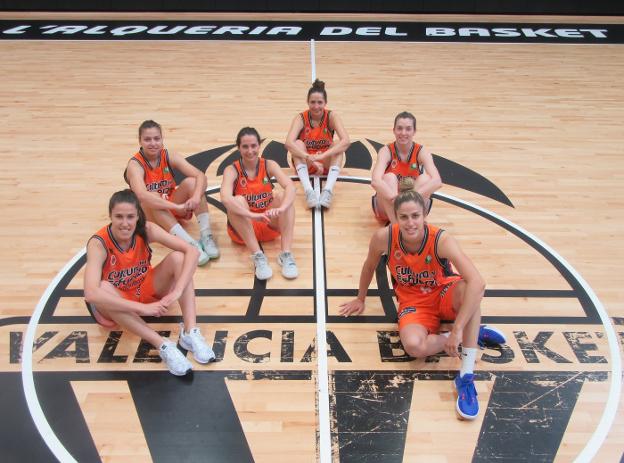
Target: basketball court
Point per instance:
(524, 115)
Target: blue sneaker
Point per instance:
(467, 405)
(490, 336)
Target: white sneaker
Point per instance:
(209, 246)
(289, 267)
(193, 341)
(312, 199)
(176, 362)
(203, 257)
(326, 198)
(263, 269)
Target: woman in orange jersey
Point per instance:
(311, 143)
(121, 286)
(150, 176)
(402, 158)
(255, 213)
(419, 258)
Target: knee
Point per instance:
(188, 184)
(414, 348)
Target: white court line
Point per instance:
(325, 454)
(28, 382)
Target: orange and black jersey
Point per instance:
(409, 168)
(257, 191)
(317, 139)
(157, 179)
(124, 269)
(417, 274)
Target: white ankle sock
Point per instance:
(304, 177)
(468, 357)
(204, 223)
(332, 176)
(177, 230)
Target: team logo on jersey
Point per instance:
(265, 180)
(243, 182)
(398, 254)
(394, 163)
(414, 165)
(166, 170)
(428, 259)
(113, 259)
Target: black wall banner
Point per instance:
(304, 30)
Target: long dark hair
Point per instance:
(128, 196)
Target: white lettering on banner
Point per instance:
(504, 32)
(257, 30)
(96, 30)
(468, 31)
(288, 30)
(478, 31)
(64, 29)
(163, 30)
(125, 30)
(199, 29)
(536, 32)
(368, 31)
(238, 30)
(16, 30)
(545, 32)
(598, 33)
(392, 31)
(439, 32)
(336, 31)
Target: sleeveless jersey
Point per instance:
(160, 178)
(316, 139)
(259, 191)
(418, 275)
(410, 168)
(127, 269)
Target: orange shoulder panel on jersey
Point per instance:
(257, 191)
(316, 139)
(124, 269)
(157, 179)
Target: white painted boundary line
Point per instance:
(325, 453)
(28, 382)
(322, 371)
(312, 60)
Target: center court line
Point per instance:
(324, 446)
